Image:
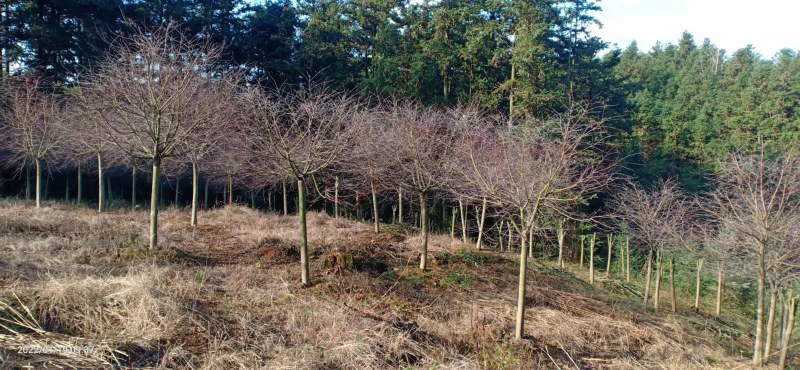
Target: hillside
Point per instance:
(226, 295)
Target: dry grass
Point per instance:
(138, 308)
(226, 295)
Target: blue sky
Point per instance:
(769, 25)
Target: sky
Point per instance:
(769, 25)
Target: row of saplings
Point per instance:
(158, 99)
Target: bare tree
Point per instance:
(71, 156)
(88, 139)
(369, 157)
(469, 125)
(30, 124)
(533, 168)
(146, 92)
(654, 218)
(723, 247)
(696, 250)
(758, 200)
(783, 271)
(172, 170)
(686, 244)
(228, 162)
(422, 143)
(207, 135)
(302, 130)
(135, 165)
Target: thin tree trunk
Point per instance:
(718, 309)
(500, 235)
(659, 270)
(784, 319)
(773, 301)
(530, 245)
(100, 183)
(66, 187)
(511, 98)
(400, 206)
(481, 224)
(444, 216)
(109, 192)
(358, 209)
(423, 226)
(762, 277)
(38, 163)
(560, 233)
(791, 306)
(591, 258)
(230, 190)
(627, 260)
(698, 283)
(648, 275)
(27, 183)
(205, 195)
(195, 188)
(510, 235)
(80, 184)
(252, 199)
(301, 210)
(621, 258)
(375, 219)
(133, 188)
(583, 237)
(673, 299)
(154, 197)
(336, 197)
(463, 213)
(285, 197)
(453, 223)
(523, 269)
(610, 239)
(177, 190)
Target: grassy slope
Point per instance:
(226, 295)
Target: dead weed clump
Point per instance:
(237, 234)
(52, 219)
(135, 308)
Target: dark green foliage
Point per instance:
(674, 109)
(691, 105)
(269, 43)
(56, 38)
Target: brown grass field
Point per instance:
(226, 295)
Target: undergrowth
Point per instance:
(226, 295)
